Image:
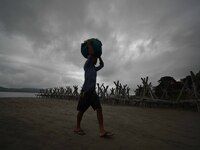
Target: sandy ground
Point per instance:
(40, 124)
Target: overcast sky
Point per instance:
(40, 40)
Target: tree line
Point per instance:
(170, 89)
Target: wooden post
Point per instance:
(98, 89)
(112, 91)
(75, 92)
(149, 90)
(179, 96)
(143, 88)
(116, 88)
(194, 88)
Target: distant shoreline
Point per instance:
(24, 90)
(17, 94)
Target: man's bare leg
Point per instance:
(100, 120)
(102, 131)
(79, 118)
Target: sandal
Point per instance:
(79, 132)
(107, 135)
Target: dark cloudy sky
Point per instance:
(40, 40)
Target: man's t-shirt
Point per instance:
(90, 75)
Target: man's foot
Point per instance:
(106, 134)
(79, 132)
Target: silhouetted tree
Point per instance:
(165, 88)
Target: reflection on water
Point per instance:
(16, 94)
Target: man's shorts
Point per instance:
(88, 99)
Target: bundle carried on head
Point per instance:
(97, 47)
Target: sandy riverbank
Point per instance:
(36, 123)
